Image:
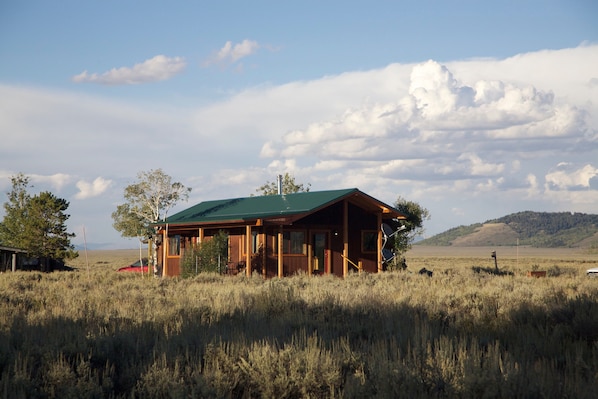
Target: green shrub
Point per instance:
(208, 256)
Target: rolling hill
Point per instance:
(536, 229)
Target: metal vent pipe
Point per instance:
(279, 184)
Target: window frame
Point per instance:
(291, 246)
(174, 242)
(369, 241)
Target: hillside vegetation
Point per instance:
(536, 229)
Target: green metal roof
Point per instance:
(262, 207)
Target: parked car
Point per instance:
(136, 267)
(592, 272)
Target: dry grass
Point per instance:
(518, 260)
(97, 333)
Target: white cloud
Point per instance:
(478, 167)
(568, 176)
(38, 182)
(93, 189)
(154, 69)
(230, 54)
(56, 181)
(440, 119)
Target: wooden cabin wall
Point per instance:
(235, 248)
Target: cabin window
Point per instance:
(369, 241)
(293, 242)
(254, 242)
(174, 245)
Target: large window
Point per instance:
(174, 245)
(293, 242)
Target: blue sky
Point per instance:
(473, 109)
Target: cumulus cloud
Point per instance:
(56, 181)
(93, 189)
(230, 54)
(468, 144)
(570, 176)
(155, 69)
(455, 127)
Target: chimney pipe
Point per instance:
(279, 184)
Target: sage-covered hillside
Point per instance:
(537, 229)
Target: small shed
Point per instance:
(9, 258)
(320, 232)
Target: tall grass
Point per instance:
(398, 334)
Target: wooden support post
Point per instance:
(379, 243)
(165, 245)
(345, 238)
(14, 262)
(264, 241)
(248, 250)
(310, 255)
(280, 254)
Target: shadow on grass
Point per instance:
(271, 346)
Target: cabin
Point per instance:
(322, 232)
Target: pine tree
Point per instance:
(36, 223)
(13, 225)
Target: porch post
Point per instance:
(165, 253)
(280, 255)
(248, 250)
(379, 243)
(345, 238)
(310, 262)
(14, 261)
(264, 254)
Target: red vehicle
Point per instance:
(136, 267)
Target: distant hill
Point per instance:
(536, 229)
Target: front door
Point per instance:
(320, 256)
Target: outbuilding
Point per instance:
(9, 258)
(321, 232)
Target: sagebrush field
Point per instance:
(466, 332)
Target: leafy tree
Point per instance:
(36, 223)
(288, 186)
(148, 201)
(413, 226)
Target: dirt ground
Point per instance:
(513, 252)
(113, 259)
(518, 259)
